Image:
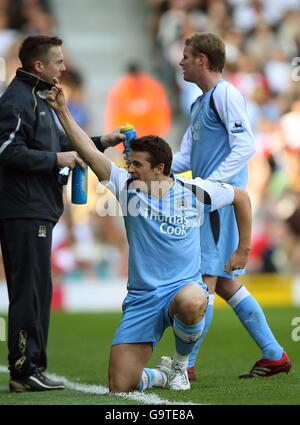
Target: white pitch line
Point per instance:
(100, 390)
(3, 369)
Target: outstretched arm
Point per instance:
(98, 162)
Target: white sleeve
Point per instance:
(117, 180)
(221, 194)
(231, 107)
(182, 159)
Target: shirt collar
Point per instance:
(32, 80)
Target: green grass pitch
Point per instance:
(79, 346)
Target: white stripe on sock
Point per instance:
(211, 299)
(179, 358)
(240, 295)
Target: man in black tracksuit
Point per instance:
(32, 151)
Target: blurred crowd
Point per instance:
(262, 40)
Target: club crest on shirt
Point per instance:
(42, 232)
(196, 131)
(237, 126)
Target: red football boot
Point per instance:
(266, 367)
(192, 373)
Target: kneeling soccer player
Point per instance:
(163, 214)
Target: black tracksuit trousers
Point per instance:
(26, 251)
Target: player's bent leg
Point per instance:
(211, 282)
(274, 360)
(187, 310)
(189, 304)
(126, 365)
(226, 288)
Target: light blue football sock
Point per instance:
(252, 317)
(208, 319)
(147, 379)
(152, 378)
(186, 336)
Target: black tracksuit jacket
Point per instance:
(29, 141)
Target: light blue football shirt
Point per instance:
(164, 233)
(219, 142)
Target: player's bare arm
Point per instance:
(98, 162)
(243, 213)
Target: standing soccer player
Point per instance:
(217, 146)
(162, 215)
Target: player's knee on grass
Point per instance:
(126, 365)
(123, 382)
(190, 304)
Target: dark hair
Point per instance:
(133, 68)
(212, 46)
(158, 150)
(36, 48)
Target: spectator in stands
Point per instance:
(141, 100)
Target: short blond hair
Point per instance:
(212, 46)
